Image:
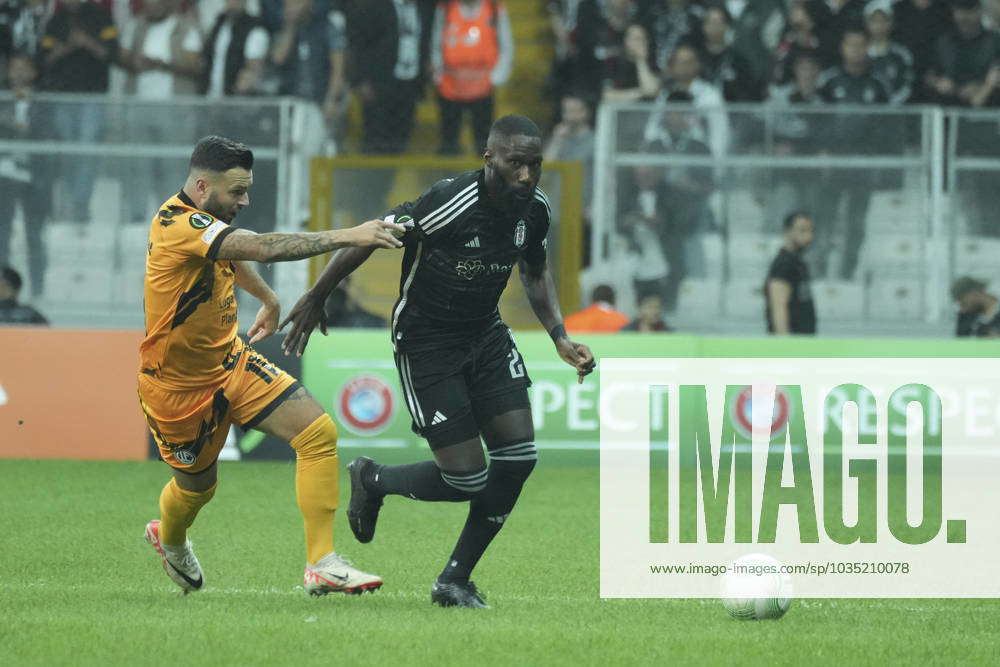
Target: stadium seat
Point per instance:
(699, 297)
(745, 298)
(895, 299)
(750, 254)
(838, 301)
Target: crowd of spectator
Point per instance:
(389, 53)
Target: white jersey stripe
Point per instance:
(409, 380)
(548, 209)
(406, 389)
(428, 223)
(438, 225)
(406, 288)
(441, 210)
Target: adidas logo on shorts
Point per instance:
(438, 418)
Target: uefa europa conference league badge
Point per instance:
(751, 478)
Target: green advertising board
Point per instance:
(351, 373)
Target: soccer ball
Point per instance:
(754, 588)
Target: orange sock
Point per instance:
(178, 509)
(317, 484)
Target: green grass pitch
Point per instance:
(79, 586)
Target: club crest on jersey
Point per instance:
(201, 220)
(520, 233)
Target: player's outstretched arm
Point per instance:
(541, 291)
(266, 322)
(309, 312)
(278, 247)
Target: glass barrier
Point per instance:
(690, 203)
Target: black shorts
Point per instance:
(449, 392)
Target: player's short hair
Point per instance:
(603, 293)
(792, 217)
(12, 278)
(215, 153)
(513, 125)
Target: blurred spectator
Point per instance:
(23, 178)
(11, 311)
(563, 16)
(234, 53)
(629, 75)
(599, 40)
(978, 310)
(572, 140)
(722, 65)
(833, 19)
(650, 317)
(756, 28)
(963, 70)
(651, 237)
(685, 192)
(671, 23)
(789, 307)
(600, 316)
(991, 15)
(22, 25)
(472, 51)
(799, 133)
(78, 47)
(683, 77)
(389, 67)
(303, 51)
(800, 35)
(162, 53)
(345, 312)
(889, 61)
(916, 25)
(849, 134)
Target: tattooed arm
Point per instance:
(274, 247)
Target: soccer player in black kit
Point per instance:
(461, 372)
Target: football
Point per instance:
(754, 588)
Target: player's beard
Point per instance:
(214, 208)
(517, 205)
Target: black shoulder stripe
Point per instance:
(213, 250)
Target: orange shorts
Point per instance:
(190, 426)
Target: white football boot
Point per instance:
(180, 563)
(335, 574)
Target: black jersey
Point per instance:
(793, 270)
(458, 259)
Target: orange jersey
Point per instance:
(190, 302)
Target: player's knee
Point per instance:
(469, 482)
(319, 439)
(517, 459)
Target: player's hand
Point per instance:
(266, 322)
(378, 233)
(307, 313)
(577, 355)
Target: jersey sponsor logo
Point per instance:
(201, 220)
(520, 233)
(212, 231)
(469, 269)
(741, 412)
(473, 268)
(366, 404)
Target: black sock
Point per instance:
(487, 513)
(420, 481)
